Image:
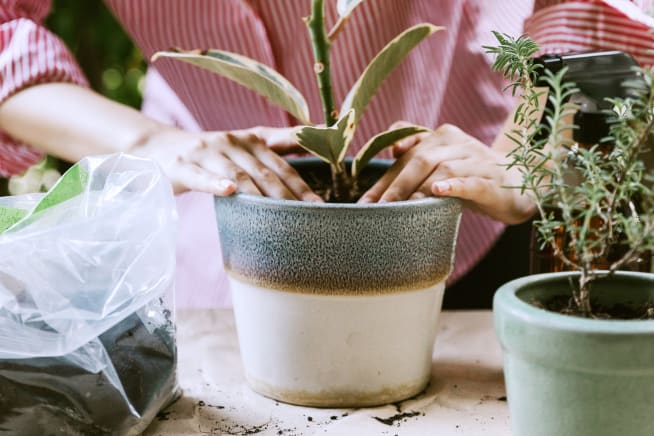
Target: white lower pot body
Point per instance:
(336, 350)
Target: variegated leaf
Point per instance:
(345, 7)
(382, 65)
(328, 143)
(380, 142)
(249, 73)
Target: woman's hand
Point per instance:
(84, 123)
(448, 162)
(222, 163)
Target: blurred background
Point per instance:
(113, 66)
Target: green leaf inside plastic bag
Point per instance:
(71, 184)
(10, 216)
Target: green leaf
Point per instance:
(382, 65)
(70, 185)
(328, 143)
(345, 7)
(380, 142)
(10, 216)
(247, 72)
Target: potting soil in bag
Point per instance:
(87, 343)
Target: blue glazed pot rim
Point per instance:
(268, 201)
(509, 304)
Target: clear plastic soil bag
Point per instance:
(87, 337)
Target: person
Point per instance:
(212, 137)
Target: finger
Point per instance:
(418, 195)
(283, 149)
(424, 190)
(263, 177)
(476, 193)
(481, 195)
(219, 164)
(281, 140)
(466, 170)
(409, 179)
(444, 187)
(405, 144)
(479, 190)
(473, 191)
(429, 160)
(192, 177)
(448, 169)
(285, 173)
(374, 193)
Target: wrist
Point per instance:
(155, 136)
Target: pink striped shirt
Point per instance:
(446, 79)
(566, 26)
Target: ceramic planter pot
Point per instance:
(337, 305)
(569, 376)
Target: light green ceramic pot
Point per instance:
(569, 376)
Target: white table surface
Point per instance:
(466, 395)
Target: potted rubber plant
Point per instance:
(336, 303)
(579, 345)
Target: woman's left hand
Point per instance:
(450, 163)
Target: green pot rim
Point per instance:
(509, 304)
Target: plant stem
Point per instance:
(340, 183)
(320, 43)
(583, 297)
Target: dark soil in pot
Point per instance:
(317, 174)
(565, 304)
(55, 396)
(611, 298)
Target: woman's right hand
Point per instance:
(222, 163)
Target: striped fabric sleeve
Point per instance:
(29, 55)
(565, 26)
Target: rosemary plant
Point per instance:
(607, 215)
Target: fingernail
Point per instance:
(441, 187)
(225, 187)
(417, 195)
(365, 200)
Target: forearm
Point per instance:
(70, 121)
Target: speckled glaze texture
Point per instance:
(338, 248)
(569, 376)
